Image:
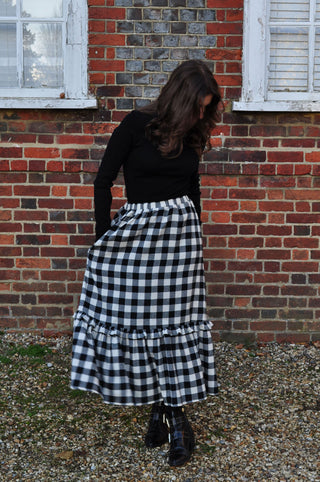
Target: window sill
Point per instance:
(277, 106)
(47, 103)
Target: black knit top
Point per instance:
(148, 175)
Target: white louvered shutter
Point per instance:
(294, 48)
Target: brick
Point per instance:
(64, 178)
(41, 152)
(303, 230)
(270, 230)
(9, 227)
(247, 230)
(82, 240)
(219, 253)
(275, 326)
(303, 218)
(292, 338)
(278, 181)
(250, 218)
(250, 266)
(285, 169)
(31, 227)
(30, 190)
(58, 299)
(224, 28)
(30, 287)
(272, 266)
(223, 54)
(33, 263)
(301, 242)
(28, 251)
(269, 302)
(273, 254)
(281, 156)
(220, 301)
(219, 229)
(57, 252)
(236, 314)
(107, 13)
(312, 156)
(76, 139)
(303, 207)
(10, 152)
(75, 153)
(240, 242)
(30, 215)
(243, 290)
(307, 143)
(220, 217)
(225, 4)
(55, 203)
(107, 65)
(247, 194)
(220, 205)
(273, 243)
(298, 303)
(32, 239)
(45, 127)
(4, 165)
(83, 204)
(302, 267)
(271, 290)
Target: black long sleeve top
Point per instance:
(148, 175)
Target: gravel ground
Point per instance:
(263, 426)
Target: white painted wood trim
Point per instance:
(277, 106)
(49, 103)
(254, 50)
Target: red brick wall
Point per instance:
(260, 183)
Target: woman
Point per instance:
(141, 334)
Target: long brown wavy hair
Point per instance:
(177, 110)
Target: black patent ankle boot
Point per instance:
(182, 440)
(157, 433)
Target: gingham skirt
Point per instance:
(141, 333)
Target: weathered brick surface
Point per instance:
(260, 182)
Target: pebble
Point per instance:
(263, 426)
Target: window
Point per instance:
(43, 54)
(281, 56)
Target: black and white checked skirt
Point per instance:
(141, 333)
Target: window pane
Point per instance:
(8, 55)
(317, 62)
(288, 67)
(289, 10)
(42, 8)
(42, 55)
(7, 8)
(318, 11)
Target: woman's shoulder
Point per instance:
(136, 119)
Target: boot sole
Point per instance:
(186, 460)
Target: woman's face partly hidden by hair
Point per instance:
(203, 104)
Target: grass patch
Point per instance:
(206, 448)
(31, 351)
(35, 354)
(5, 360)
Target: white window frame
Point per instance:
(74, 94)
(254, 96)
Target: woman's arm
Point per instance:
(115, 155)
(195, 193)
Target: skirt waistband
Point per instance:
(154, 205)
